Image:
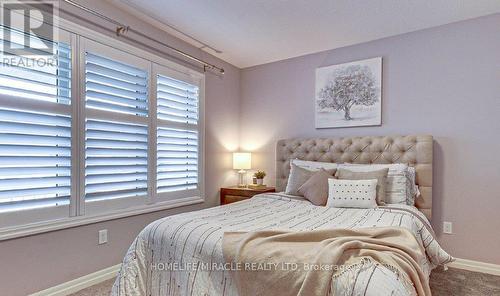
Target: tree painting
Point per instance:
(349, 94)
(353, 85)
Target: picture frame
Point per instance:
(349, 94)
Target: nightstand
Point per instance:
(233, 194)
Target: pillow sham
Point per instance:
(316, 188)
(412, 191)
(314, 165)
(296, 178)
(396, 184)
(380, 175)
(352, 193)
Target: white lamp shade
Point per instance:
(242, 160)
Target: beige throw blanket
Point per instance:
(304, 263)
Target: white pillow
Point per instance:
(313, 165)
(352, 193)
(397, 190)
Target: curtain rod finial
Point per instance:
(121, 30)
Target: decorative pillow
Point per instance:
(297, 177)
(380, 175)
(313, 165)
(352, 193)
(396, 190)
(411, 186)
(316, 188)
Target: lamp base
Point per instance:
(241, 182)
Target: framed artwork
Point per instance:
(349, 94)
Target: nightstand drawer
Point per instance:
(234, 194)
(234, 198)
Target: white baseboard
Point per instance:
(81, 282)
(477, 266)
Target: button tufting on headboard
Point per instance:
(413, 150)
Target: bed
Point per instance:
(182, 254)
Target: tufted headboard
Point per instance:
(413, 150)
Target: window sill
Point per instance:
(70, 222)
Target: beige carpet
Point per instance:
(102, 289)
(454, 282)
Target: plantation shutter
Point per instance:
(177, 100)
(41, 77)
(35, 156)
(35, 127)
(177, 135)
(114, 86)
(116, 139)
(116, 160)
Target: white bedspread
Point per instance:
(182, 254)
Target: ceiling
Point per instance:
(253, 32)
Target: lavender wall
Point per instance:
(443, 81)
(41, 261)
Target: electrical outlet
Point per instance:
(103, 236)
(447, 227)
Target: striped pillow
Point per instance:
(412, 188)
(398, 190)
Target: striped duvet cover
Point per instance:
(182, 254)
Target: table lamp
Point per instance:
(242, 161)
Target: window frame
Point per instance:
(79, 39)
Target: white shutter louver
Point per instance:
(116, 160)
(177, 100)
(177, 159)
(40, 77)
(177, 147)
(35, 157)
(116, 152)
(114, 86)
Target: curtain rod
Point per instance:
(122, 29)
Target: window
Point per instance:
(35, 129)
(116, 127)
(177, 133)
(105, 129)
